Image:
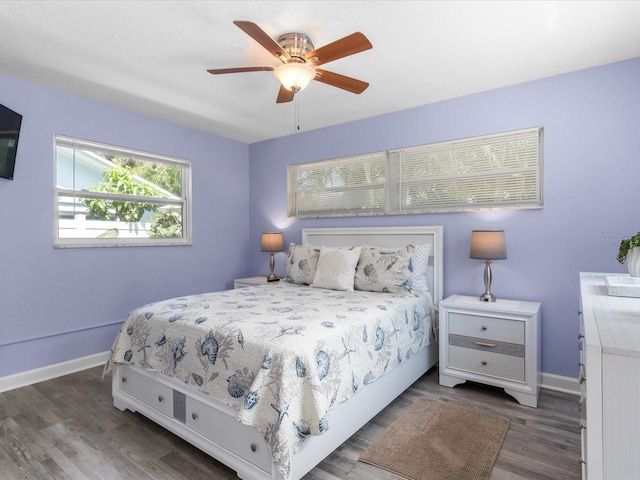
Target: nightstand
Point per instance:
(249, 282)
(495, 343)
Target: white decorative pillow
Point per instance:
(420, 266)
(301, 264)
(336, 268)
(388, 271)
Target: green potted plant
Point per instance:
(630, 252)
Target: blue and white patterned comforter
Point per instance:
(283, 354)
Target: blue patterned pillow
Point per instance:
(387, 271)
(301, 264)
(420, 268)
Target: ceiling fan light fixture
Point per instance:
(295, 76)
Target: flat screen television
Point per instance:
(10, 122)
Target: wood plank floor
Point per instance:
(67, 428)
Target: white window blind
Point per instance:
(501, 171)
(341, 187)
(496, 171)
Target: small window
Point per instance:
(502, 171)
(111, 196)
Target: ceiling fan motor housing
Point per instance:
(297, 45)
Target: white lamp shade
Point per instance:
(488, 245)
(294, 75)
(272, 242)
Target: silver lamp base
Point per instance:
(487, 296)
(272, 276)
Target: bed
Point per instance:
(269, 380)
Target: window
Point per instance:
(111, 196)
(338, 187)
(502, 171)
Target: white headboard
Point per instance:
(385, 237)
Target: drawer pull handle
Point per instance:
(194, 415)
(483, 344)
(160, 398)
(254, 447)
(124, 379)
(484, 362)
(483, 327)
(582, 425)
(580, 336)
(583, 462)
(582, 379)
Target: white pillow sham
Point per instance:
(336, 268)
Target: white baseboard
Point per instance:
(560, 383)
(550, 381)
(41, 374)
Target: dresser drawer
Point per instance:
(156, 395)
(489, 328)
(487, 363)
(216, 425)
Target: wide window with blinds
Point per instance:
(501, 171)
(112, 196)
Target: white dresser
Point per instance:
(496, 343)
(610, 381)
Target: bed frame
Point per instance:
(212, 426)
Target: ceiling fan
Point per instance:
(300, 59)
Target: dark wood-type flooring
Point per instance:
(67, 428)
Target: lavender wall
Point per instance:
(57, 304)
(591, 193)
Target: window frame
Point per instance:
(184, 201)
(530, 176)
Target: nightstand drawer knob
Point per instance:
(484, 327)
(484, 362)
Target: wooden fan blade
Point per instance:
(284, 95)
(336, 80)
(255, 32)
(218, 71)
(354, 43)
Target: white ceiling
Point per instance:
(152, 56)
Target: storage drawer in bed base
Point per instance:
(196, 418)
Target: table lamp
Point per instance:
(488, 245)
(272, 242)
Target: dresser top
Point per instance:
(617, 319)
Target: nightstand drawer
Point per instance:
(487, 363)
(484, 345)
(489, 328)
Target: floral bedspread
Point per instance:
(283, 354)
